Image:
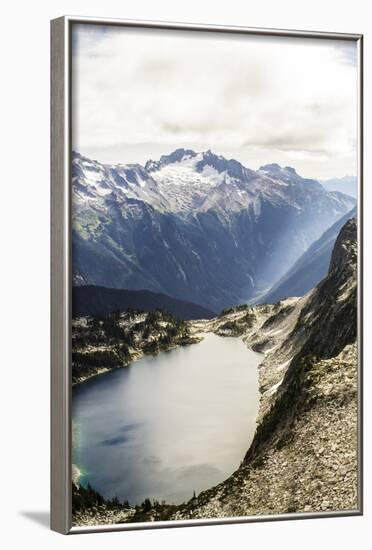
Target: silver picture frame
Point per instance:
(61, 271)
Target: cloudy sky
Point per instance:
(138, 94)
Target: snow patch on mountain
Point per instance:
(195, 224)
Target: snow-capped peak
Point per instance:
(204, 163)
(188, 169)
(177, 156)
(186, 182)
(275, 169)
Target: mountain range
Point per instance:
(347, 185)
(310, 268)
(195, 226)
(97, 300)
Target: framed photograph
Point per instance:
(206, 274)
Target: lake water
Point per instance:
(168, 424)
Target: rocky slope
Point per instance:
(194, 224)
(304, 454)
(347, 185)
(98, 300)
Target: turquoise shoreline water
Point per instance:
(167, 425)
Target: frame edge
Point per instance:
(60, 494)
(360, 279)
(61, 270)
(212, 27)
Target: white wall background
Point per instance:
(24, 218)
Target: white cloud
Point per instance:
(260, 99)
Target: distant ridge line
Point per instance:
(100, 300)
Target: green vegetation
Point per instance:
(155, 510)
(234, 309)
(278, 315)
(237, 327)
(86, 498)
(112, 341)
(97, 359)
(232, 327)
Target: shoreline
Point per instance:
(136, 356)
(129, 514)
(256, 338)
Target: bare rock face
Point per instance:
(330, 315)
(344, 254)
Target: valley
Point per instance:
(195, 225)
